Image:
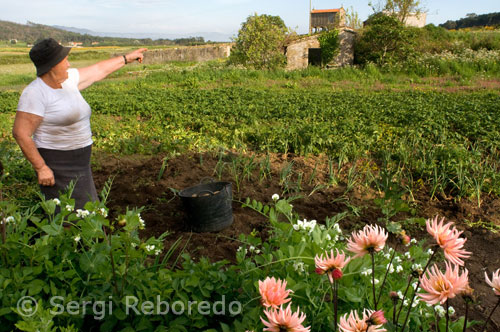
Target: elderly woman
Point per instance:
(52, 124)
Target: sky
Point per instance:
(188, 17)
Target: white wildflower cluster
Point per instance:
(275, 197)
(142, 223)
(413, 241)
(366, 272)
(103, 212)
(305, 225)
(400, 295)
(407, 255)
(56, 201)
(152, 248)
(416, 267)
(243, 250)
(69, 208)
(430, 252)
(440, 311)
(8, 220)
(399, 269)
(299, 267)
(390, 267)
(252, 249)
(82, 213)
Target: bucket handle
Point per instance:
(204, 180)
(205, 191)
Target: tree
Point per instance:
(260, 43)
(352, 19)
(384, 40)
(401, 9)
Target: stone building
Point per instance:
(188, 53)
(306, 51)
(325, 19)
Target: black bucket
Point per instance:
(208, 206)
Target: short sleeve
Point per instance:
(31, 101)
(73, 77)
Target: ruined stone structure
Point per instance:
(416, 20)
(188, 53)
(324, 19)
(306, 51)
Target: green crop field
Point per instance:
(391, 146)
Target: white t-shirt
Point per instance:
(66, 115)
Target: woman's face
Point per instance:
(60, 71)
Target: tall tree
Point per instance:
(260, 42)
(401, 9)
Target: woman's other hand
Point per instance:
(45, 176)
(136, 55)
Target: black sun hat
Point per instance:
(46, 54)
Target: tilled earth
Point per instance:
(137, 183)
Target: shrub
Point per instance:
(260, 43)
(384, 40)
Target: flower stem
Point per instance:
(385, 276)
(416, 288)
(447, 314)
(372, 253)
(466, 315)
(404, 296)
(335, 303)
(491, 314)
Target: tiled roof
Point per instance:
(317, 11)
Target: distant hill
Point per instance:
(473, 20)
(31, 32)
(212, 36)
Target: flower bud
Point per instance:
(337, 274)
(377, 318)
(394, 296)
(122, 222)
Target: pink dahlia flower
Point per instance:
(494, 282)
(441, 287)
(273, 292)
(332, 265)
(280, 320)
(370, 238)
(449, 240)
(354, 323)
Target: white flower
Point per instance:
(414, 285)
(413, 241)
(405, 303)
(69, 208)
(387, 255)
(157, 252)
(9, 219)
(430, 252)
(103, 212)
(82, 213)
(416, 267)
(376, 281)
(440, 310)
(141, 222)
(451, 310)
(336, 227)
(77, 238)
(55, 200)
(299, 266)
(397, 259)
(275, 197)
(366, 272)
(399, 268)
(150, 248)
(257, 251)
(133, 244)
(328, 237)
(407, 255)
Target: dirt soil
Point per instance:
(136, 184)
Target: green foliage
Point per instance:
(384, 40)
(260, 43)
(473, 20)
(330, 45)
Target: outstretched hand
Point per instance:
(136, 55)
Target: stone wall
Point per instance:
(297, 52)
(188, 53)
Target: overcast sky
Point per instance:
(192, 16)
